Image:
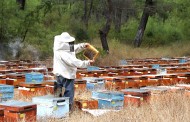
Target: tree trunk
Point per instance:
(21, 4)
(104, 31)
(143, 22)
(118, 15)
(2, 24)
(86, 13)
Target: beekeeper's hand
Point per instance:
(86, 45)
(91, 62)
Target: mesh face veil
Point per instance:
(71, 45)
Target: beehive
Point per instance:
(16, 111)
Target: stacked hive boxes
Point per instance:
(87, 104)
(94, 83)
(34, 77)
(137, 73)
(6, 92)
(49, 106)
(108, 99)
(135, 96)
(29, 90)
(16, 111)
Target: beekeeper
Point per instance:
(65, 64)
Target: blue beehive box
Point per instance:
(6, 92)
(92, 68)
(108, 104)
(35, 77)
(107, 95)
(182, 60)
(95, 86)
(6, 88)
(155, 66)
(123, 62)
(94, 83)
(49, 106)
(6, 95)
(109, 99)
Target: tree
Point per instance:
(86, 12)
(144, 19)
(104, 31)
(120, 10)
(21, 4)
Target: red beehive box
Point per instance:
(128, 72)
(84, 73)
(49, 86)
(165, 81)
(2, 76)
(112, 74)
(99, 73)
(152, 71)
(172, 77)
(156, 91)
(22, 70)
(114, 83)
(141, 71)
(153, 82)
(132, 100)
(17, 111)
(145, 94)
(14, 82)
(15, 78)
(130, 83)
(49, 77)
(79, 74)
(140, 80)
(87, 104)
(143, 81)
(1, 115)
(2, 67)
(39, 69)
(89, 74)
(2, 81)
(12, 65)
(184, 77)
(29, 90)
(153, 79)
(80, 84)
(28, 65)
(6, 71)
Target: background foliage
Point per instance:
(35, 26)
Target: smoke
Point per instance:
(4, 51)
(17, 50)
(15, 47)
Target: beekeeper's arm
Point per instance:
(80, 47)
(74, 62)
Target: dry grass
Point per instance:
(170, 107)
(167, 107)
(120, 51)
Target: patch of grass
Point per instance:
(119, 51)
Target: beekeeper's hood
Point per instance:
(64, 42)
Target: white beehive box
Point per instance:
(49, 106)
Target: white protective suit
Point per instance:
(65, 62)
